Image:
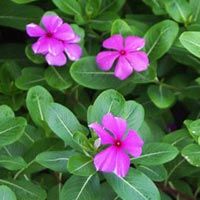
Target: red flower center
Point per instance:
(122, 52)
(118, 143)
(49, 35)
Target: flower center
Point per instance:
(122, 52)
(49, 35)
(118, 143)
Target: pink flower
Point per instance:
(113, 134)
(126, 52)
(55, 38)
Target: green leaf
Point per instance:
(6, 193)
(25, 189)
(135, 184)
(30, 77)
(70, 7)
(18, 16)
(85, 72)
(81, 188)
(6, 113)
(35, 58)
(156, 154)
(179, 10)
(54, 160)
(62, 122)
(159, 38)
(11, 130)
(12, 163)
(192, 154)
(191, 41)
(161, 96)
(37, 100)
(119, 26)
(58, 78)
(81, 165)
(157, 6)
(23, 1)
(155, 173)
(195, 6)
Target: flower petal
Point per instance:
(133, 43)
(123, 68)
(105, 59)
(51, 22)
(138, 60)
(116, 125)
(133, 144)
(73, 51)
(55, 46)
(64, 32)
(58, 60)
(114, 42)
(106, 159)
(122, 164)
(34, 30)
(41, 46)
(76, 39)
(105, 137)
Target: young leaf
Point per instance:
(135, 184)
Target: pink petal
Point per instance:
(116, 125)
(55, 46)
(73, 51)
(103, 135)
(76, 39)
(133, 43)
(58, 60)
(64, 32)
(41, 46)
(106, 159)
(34, 30)
(123, 68)
(133, 144)
(122, 164)
(105, 59)
(114, 42)
(138, 60)
(51, 22)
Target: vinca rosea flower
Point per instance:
(55, 38)
(120, 141)
(125, 54)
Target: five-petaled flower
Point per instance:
(120, 141)
(55, 38)
(126, 52)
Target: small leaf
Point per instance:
(6, 113)
(6, 193)
(192, 154)
(161, 96)
(191, 41)
(37, 100)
